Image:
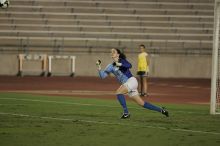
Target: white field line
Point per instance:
(85, 93)
(60, 102)
(72, 92)
(110, 123)
(68, 103)
(82, 104)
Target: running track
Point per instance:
(193, 91)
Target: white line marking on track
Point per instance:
(181, 86)
(178, 86)
(194, 87)
(109, 123)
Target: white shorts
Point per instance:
(132, 86)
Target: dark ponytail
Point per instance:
(121, 55)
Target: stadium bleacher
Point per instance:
(174, 26)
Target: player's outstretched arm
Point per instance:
(102, 73)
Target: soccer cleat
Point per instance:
(165, 112)
(125, 116)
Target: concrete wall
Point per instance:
(181, 66)
(8, 64)
(61, 66)
(160, 65)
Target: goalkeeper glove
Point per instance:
(98, 63)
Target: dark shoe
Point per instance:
(144, 94)
(165, 112)
(125, 116)
(141, 94)
(19, 74)
(147, 94)
(49, 74)
(42, 74)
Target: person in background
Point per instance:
(143, 70)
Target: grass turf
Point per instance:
(52, 120)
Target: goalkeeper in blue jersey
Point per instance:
(120, 68)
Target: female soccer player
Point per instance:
(143, 70)
(120, 68)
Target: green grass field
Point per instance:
(36, 120)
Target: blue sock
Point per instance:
(152, 107)
(122, 101)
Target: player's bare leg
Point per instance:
(139, 83)
(145, 86)
(141, 87)
(122, 90)
(138, 100)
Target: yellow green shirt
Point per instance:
(142, 62)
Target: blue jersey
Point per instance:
(122, 73)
